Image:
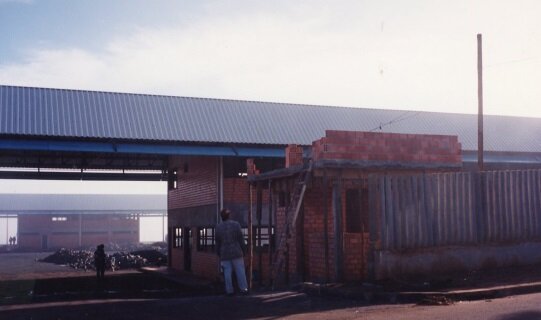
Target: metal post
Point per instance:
(480, 151)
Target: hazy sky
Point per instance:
(418, 55)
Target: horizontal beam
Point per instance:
(139, 148)
(89, 176)
(509, 158)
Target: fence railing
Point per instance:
(462, 208)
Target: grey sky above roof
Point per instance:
(83, 202)
(43, 112)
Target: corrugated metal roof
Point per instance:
(23, 203)
(28, 111)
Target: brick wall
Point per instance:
(205, 264)
(356, 246)
(375, 146)
(293, 155)
(236, 191)
(197, 186)
(315, 233)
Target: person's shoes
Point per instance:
(244, 293)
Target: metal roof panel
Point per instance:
(26, 111)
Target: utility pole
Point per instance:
(480, 150)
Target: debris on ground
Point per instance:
(77, 259)
(153, 257)
(436, 301)
(84, 259)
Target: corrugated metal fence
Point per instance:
(460, 208)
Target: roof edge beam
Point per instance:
(159, 149)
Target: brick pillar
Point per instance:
(293, 155)
(250, 167)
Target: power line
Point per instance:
(400, 118)
(512, 61)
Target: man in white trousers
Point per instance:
(230, 247)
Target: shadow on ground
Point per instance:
(123, 286)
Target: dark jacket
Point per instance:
(99, 258)
(229, 240)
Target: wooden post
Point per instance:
(326, 224)
(250, 247)
(337, 214)
(269, 230)
(372, 225)
(258, 214)
(480, 160)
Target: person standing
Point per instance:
(230, 247)
(99, 261)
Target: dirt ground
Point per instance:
(30, 289)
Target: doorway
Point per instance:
(187, 234)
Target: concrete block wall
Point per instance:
(94, 228)
(393, 147)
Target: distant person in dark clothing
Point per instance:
(99, 261)
(230, 247)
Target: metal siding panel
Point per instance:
(165, 129)
(109, 111)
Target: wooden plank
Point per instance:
(373, 225)
(409, 211)
(461, 212)
(446, 208)
(536, 203)
(422, 211)
(537, 197)
(441, 209)
(337, 221)
(490, 205)
(432, 192)
(438, 215)
(521, 214)
(419, 200)
(515, 205)
(508, 205)
(390, 214)
(468, 207)
(384, 229)
(527, 206)
(530, 200)
(397, 214)
(500, 178)
(453, 223)
(326, 224)
(425, 212)
(417, 229)
(478, 207)
(524, 206)
(403, 219)
(473, 207)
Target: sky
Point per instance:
(411, 55)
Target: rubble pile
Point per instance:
(124, 260)
(77, 259)
(153, 257)
(84, 259)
